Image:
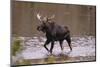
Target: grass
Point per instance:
(51, 59)
(23, 62)
(16, 47)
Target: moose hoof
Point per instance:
(70, 49)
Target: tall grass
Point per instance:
(16, 46)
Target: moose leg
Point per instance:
(47, 42)
(68, 39)
(52, 45)
(61, 44)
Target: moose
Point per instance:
(54, 32)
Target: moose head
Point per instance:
(45, 22)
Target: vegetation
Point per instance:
(23, 62)
(16, 46)
(51, 59)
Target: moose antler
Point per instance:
(51, 17)
(45, 18)
(39, 17)
(48, 18)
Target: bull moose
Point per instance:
(54, 32)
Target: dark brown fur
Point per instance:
(54, 32)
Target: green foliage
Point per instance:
(16, 47)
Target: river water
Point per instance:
(35, 53)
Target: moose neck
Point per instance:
(50, 28)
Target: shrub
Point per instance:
(16, 46)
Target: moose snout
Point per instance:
(39, 28)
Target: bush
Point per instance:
(16, 46)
